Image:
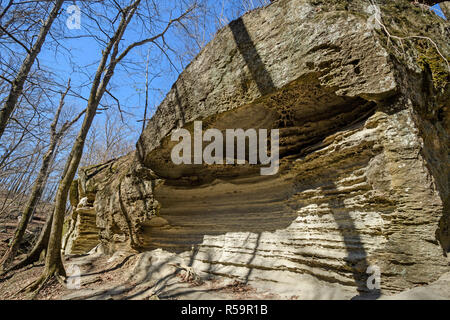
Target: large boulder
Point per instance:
(364, 126)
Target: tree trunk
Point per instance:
(146, 92)
(53, 261)
(40, 246)
(19, 81)
(38, 188)
(30, 206)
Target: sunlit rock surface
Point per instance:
(363, 181)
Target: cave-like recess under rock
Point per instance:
(364, 147)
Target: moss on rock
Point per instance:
(430, 58)
(73, 194)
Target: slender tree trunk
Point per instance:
(146, 92)
(35, 195)
(109, 60)
(39, 247)
(39, 185)
(18, 83)
(53, 260)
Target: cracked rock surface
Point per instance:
(364, 127)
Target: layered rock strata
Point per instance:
(364, 169)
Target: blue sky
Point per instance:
(80, 61)
(80, 56)
(437, 9)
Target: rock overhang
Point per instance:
(363, 146)
(340, 59)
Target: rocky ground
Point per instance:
(8, 224)
(363, 137)
(159, 274)
(107, 278)
(363, 179)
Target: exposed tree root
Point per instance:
(29, 260)
(5, 262)
(35, 287)
(6, 274)
(38, 249)
(190, 275)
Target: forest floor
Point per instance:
(113, 278)
(104, 277)
(157, 274)
(9, 220)
(133, 276)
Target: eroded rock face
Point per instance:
(363, 177)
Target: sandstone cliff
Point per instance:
(364, 144)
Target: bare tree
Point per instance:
(24, 143)
(18, 83)
(111, 57)
(40, 182)
(146, 91)
(107, 140)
